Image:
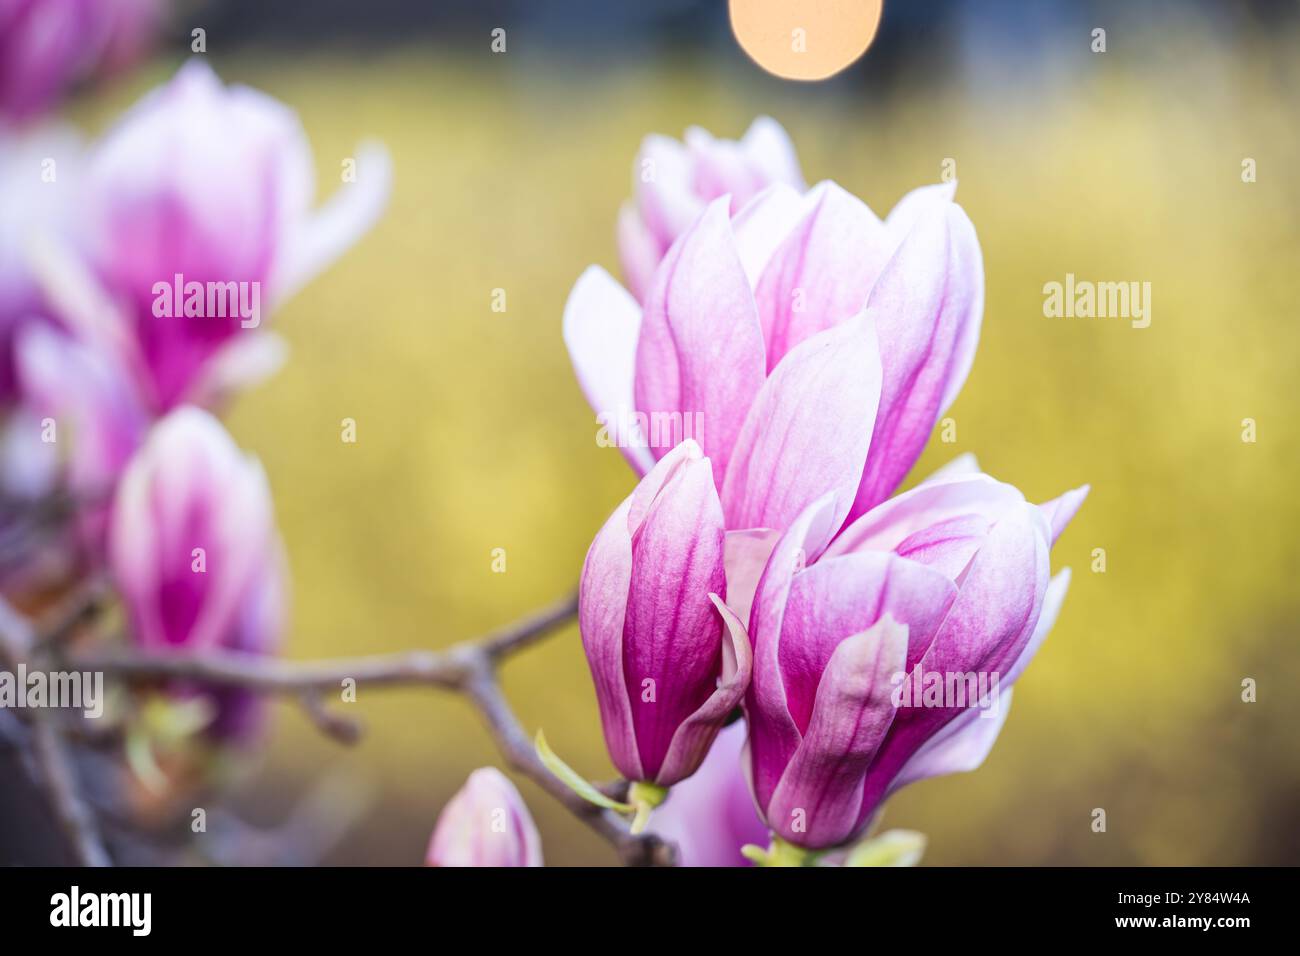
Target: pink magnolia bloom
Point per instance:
(948, 579)
(675, 181)
(46, 46)
(209, 188)
(669, 660)
(193, 548)
(711, 815)
(805, 344)
(485, 824)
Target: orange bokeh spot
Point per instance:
(805, 39)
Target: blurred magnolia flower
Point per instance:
(949, 579)
(40, 195)
(806, 345)
(47, 46)
(485, 824)
(674, 181)
(711, 815)
(668, 673)
(193, 548)
(201, 222)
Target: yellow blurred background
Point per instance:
(472, 434)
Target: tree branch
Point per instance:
(468, 667)
(60, 782)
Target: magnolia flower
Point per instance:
(675, 181)
(806, 345)
(669, 660)
(46, 46)
(711, 815)
(949, 579)
(193, 548)
(485, 824)
(201, 222)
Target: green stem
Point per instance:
(644, 797)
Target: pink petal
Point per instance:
(887, 525)
(746, 557)
(768, 148)
(989, 625)
(822, 271)
(710, 816)
(699, 361)
(822, 786)
(1061, 511)
(763, 224)
(638, 251)
(964, 743)
(602, 607)
(773, 733)
(927, 305)
(696, 734)
(665, 198)
(808, 430)
(601, 326)
(672, 637)
(837, 597)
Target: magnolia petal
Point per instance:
(695, 735)
(837, 597)
(240, 364)
(774, 735)
(960, 746)
(710, 815)
(763, 224)
(889, 524)
(314, 244)
(602, 607)
(823, 270)
(663, 188)
(819, 799)
(926, 305)
(601, 325)
(699, 361)
(987, 628)
(672, 642)
(964, 465)
(768, 148)
(1061, 511)
(638, 251)
(746, 556)
(808, 430)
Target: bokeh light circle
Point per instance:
(804, 39)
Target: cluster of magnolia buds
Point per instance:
(108, 395)
(785, 355)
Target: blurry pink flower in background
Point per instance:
(193, 548)
(674, 181)
(47, 46)
(210, 183)
(214, 184)
(807, 345)
(485, 824)
(950, 578)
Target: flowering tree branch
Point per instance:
(469, 667)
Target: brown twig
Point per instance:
(61, 786)
(468, 667)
